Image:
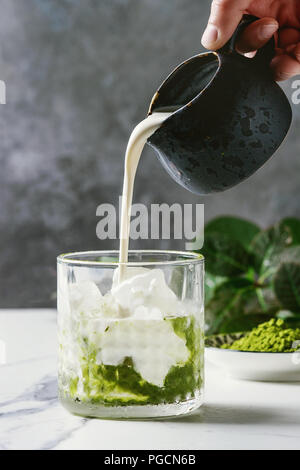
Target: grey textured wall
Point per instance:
(80, 74)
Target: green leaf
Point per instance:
(286, 314)
(291, 319)
(237, 229)
(235, 306)
(293, 322)
(226, 303)
(287, 285)
(267, 247)
(245, 322)
(224, 256)
(293, 225)
(211, 283)
(251, 274)
(267, 299)
(291, 255)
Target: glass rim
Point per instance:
(190, 258)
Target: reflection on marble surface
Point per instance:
(237, 415)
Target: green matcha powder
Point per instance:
(272, 336)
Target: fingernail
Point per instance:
(210, 36)
(267, 30)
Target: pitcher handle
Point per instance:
(265, 54)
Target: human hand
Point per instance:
(281, 16)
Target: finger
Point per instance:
(288, 36)
(278, 51)
(290, 49)
(224, 18)
(285, 67)
(257, 35)
(296, 52)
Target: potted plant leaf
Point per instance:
(252, 275)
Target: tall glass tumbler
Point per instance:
(132, 348)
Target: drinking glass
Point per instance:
(133, 349)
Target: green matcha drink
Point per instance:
(132, 348)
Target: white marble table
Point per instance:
(236, 414)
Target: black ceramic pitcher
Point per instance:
(231, 117)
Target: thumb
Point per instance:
(257, 35)
(224, 18)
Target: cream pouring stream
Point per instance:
(135, 146)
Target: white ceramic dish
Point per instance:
(260, 366)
